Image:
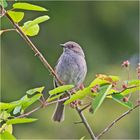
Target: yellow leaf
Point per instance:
(16, 16)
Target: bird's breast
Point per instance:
(71, 68)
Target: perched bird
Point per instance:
(70, 69)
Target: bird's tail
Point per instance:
(59, 112)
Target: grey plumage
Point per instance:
(71, 69)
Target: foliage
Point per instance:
(28, 6)
(96, 103)
(101, 88)
(31, 27)
(3, 3)
(11, 111)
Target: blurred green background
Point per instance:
(107, 31)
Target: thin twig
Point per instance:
(116, 120)
(122, 90)
(78, 122)
(41, 106)
(30, 112)
(129, 88)
(7, 30)
(85, 107)
(86, 124)
(56, 101)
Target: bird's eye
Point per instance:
(71, 46)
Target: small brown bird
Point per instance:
(71, 69)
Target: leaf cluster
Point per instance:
(101, 88)
(10, 112)
(31, 27)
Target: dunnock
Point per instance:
(71, 69)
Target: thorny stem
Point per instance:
(86, 124)
(116, 120)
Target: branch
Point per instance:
(128, 88)
(47, 65)
(41, 106)
(33, 47)
(30, 112)
(122, 90)
(56, 101)
(85, 107)
(86, 124)
(116, 120)
(6, 30)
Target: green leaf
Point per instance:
(114, 78)
(34, 90)
(131, 90)
(23, 103)
(79, 95)
(26, 102)
(4, 106)
(134, 83)
(82, 138)
(20, 120)
(7, 136)
(28, 6)
(6, 127)
(3, 3)
(54, 97)
(98, 81)
(104, 79)
(112, 91)
(1, 31)
(36, 21)
(60, 89)
(4, 115)
(31, 30)
(100, 97)
(15, 104)
(16, 16)
(39, 20)
(17, 109)
(119, 99)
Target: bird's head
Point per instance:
(71, 46)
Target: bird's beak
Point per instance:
(62, 45)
